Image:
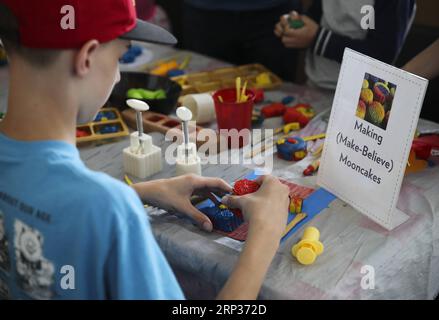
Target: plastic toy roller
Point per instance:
(307, 250)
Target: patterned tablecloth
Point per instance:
(405, 261)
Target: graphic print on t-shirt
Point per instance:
(34, 271)
(4, 249)
(4, 290)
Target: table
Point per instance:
(405, 260)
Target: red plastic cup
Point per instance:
(231, 114)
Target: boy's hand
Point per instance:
(296, 38)
(174, 194)
(266, 209)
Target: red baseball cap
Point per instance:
(68, 24)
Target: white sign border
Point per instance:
(390, 223)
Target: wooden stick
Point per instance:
(318, 150)
(265, 147)
(243, 97)
(238, 88)
(299, 217)
(309, 138)
(185, 62)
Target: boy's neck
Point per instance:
(40, 107)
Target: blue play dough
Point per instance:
(175, 73)
(105, 114)
(287, 100)
(136, 50)
(109, 129)
(131, 55)
(287, 149)
(314, 204)
(127, 58)
(223, 220)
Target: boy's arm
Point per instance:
(267, 211)
(392, 19)
(248, 275)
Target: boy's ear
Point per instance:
(85, 57)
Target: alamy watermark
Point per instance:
(67, 281)
(368, 280)
(368, 19)
(68, 21)
(244, 147)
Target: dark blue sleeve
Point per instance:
(392, 20)
(315, 11)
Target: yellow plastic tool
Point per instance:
(299, 217)
(293, 126)
(128, 181)
(307, 250)
(315, 137)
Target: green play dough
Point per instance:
(134, 94)
(296, 24)
(146, 94)
(160, 94)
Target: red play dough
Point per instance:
(273, 110)
(292, 115)
(243, 187)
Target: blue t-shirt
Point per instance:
(67, 232)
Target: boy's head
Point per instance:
(79, 41)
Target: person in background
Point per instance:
(331, 26)
(239, 32)
(148, 10)
(426, 63)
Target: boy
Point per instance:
(59, 217)
(331, 26)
